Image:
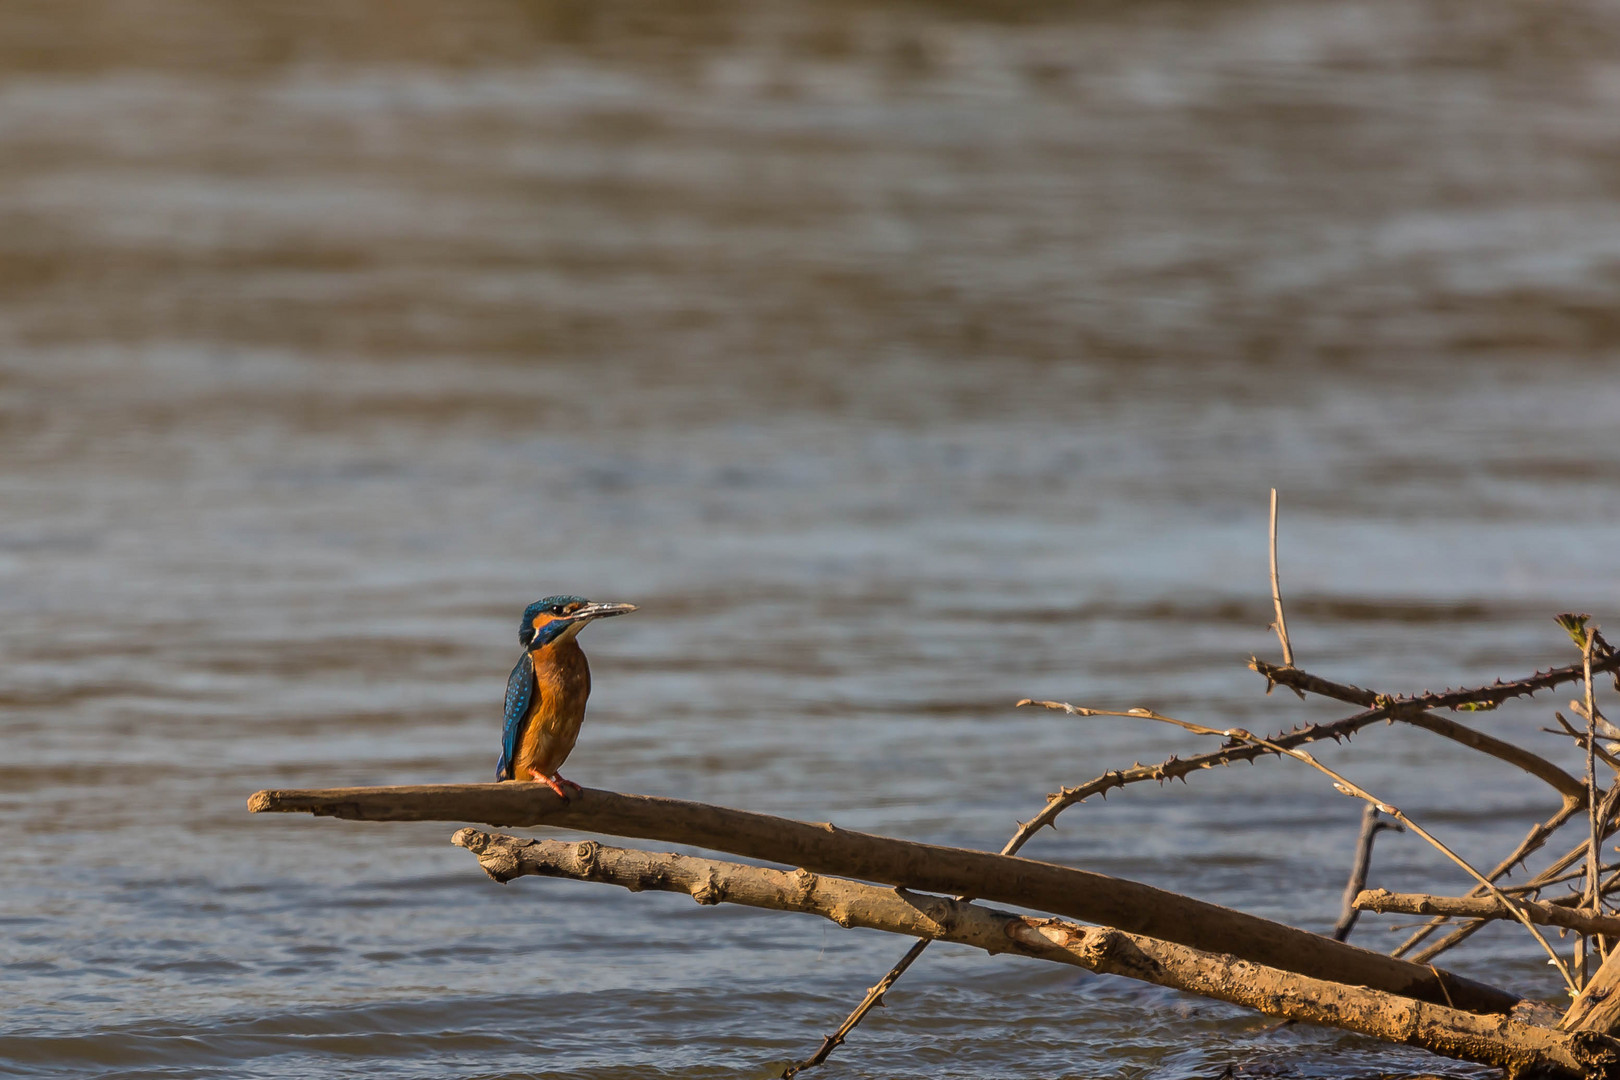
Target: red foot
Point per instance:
(556, 783)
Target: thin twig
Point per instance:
(1348, 787)
(1538, 835)
(1593, 897)
(1415, 710)
(1580, 739)
(1573, 791)
(873, 998)
(1371, 826)
(1606, 730)
(1276, 590)
(1529, 887)
(1594, 893)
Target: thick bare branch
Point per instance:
(824, 848)
(1497, 1041)
(1485, 907)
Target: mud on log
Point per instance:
(1499, 1041)
(824, 848)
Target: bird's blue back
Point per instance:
(521, 689)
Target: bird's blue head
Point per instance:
(558, 618)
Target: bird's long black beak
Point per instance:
(598, 611)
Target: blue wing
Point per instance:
(520, 691)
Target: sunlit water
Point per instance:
(899, 364)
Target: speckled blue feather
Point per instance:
(520, 691)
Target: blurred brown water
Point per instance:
(900, 360)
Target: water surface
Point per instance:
(899, 361)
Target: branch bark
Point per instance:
(1497, 1041)
(825, 848)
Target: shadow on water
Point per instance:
(901, 360)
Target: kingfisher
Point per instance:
(545, 695)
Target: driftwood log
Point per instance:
(1497, 1040)
(1598, 1007)
(824, 848)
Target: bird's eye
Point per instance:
(559, 609)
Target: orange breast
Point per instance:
(563, 681)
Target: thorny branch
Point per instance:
(1471, 699)
(1347, 787)
(1534, 764)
